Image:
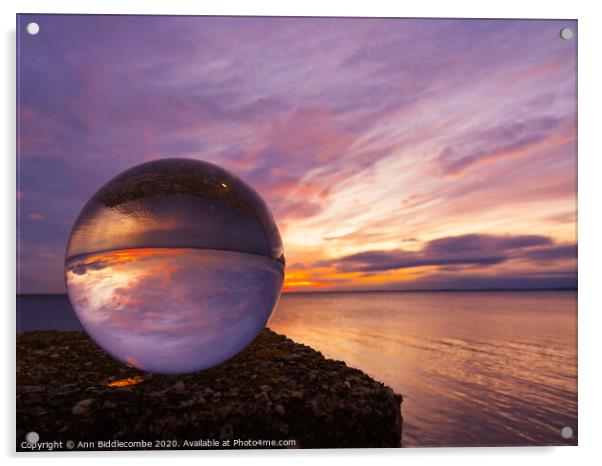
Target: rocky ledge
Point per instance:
(276, 393)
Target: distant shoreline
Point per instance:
(442, 290)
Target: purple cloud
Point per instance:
(499, 142)
(466, 250)
(551, 254)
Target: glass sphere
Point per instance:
(174, 266)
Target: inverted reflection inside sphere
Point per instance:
(174, 266)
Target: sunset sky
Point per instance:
(394, 154)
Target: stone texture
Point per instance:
(275, 389)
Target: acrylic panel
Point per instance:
(287, 232)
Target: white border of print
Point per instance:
(590, 223)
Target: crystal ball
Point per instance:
(174, 266)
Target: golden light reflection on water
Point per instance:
(474, 368)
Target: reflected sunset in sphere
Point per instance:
(174, 266)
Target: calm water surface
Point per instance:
(486, 368)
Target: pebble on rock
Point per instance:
(179, 386)
(82, 407)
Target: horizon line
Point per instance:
(434, 290)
